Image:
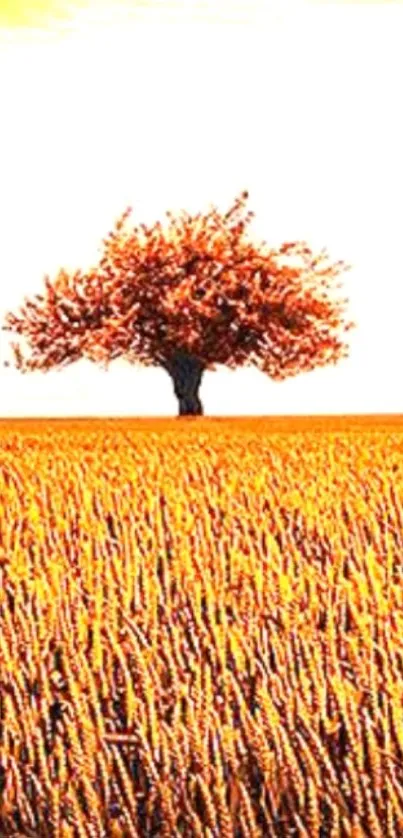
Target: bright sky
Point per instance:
(171, 105)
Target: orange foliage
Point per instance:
(197, 285)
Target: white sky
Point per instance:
(301, 106)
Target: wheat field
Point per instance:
(201, 628)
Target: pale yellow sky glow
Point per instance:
(157, 106)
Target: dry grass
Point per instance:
(201, 629)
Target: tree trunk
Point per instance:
(186, 373)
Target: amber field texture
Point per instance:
(201, 628)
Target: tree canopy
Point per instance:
(196, 287)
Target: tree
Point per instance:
(186, 296)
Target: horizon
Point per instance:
(230, 417)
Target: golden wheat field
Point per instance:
(201, 628)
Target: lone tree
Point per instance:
(186, 296)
